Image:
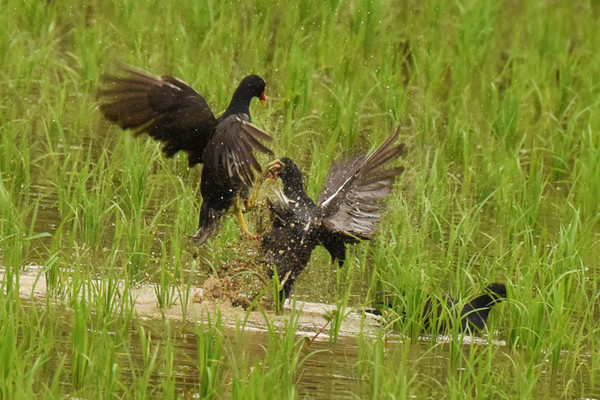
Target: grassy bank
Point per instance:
(497, 100)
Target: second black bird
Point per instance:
(439, 315)
(348, 209)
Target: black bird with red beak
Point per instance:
(348, 209)
(170, 111)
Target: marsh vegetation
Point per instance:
(497, 101)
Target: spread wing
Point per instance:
(165, 108)
(229, 157)
(355, 188)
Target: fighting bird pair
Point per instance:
(349, 206)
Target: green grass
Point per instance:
(497, 101)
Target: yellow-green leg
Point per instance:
(240, 215)
(255, 189)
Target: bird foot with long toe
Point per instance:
(240, 215)
(200, 237)
(271, 173)
(273, 169)
(250, 204)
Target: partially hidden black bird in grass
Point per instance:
(170, 111)
(439, 315)
(348, 209)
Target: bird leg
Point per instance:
(240, 215)
(251, 203)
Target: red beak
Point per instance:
(263, 98)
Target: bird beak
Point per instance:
(263, 98)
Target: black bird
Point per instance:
(348, 209)
(170, 111)
(473, 315)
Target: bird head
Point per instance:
(255, 86)
(497, 291)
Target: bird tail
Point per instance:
(209, 224)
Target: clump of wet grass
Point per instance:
(497, 105)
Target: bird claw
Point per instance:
(275, 164)
(273, 169)
(251, 236)
(198, 238)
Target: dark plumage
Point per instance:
(348, 209)
(473, 315)
(173, 113)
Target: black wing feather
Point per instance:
(165, 108)
(229, 157)
(352, 198)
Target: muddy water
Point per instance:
(330, 371)
(328, 374)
